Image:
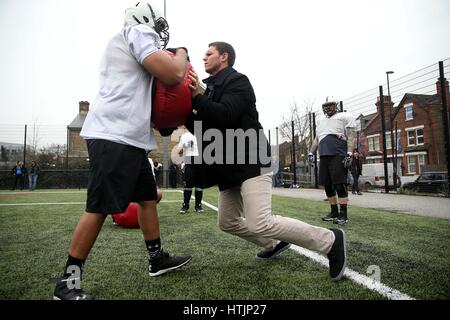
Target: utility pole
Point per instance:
(445, 121)
(394, 162)
(383, 132)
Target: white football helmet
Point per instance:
(149, 14)
(330, 107)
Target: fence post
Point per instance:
(293, 154)
(67, 148)
(25, 145)
(445, 121)
(316, 178)
(383, 132)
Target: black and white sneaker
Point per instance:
(163, 263)
(184, 209)
(341, 219)
(338, 255)
(62, 292)
(279, 248)
(330, 217)
(199, 209)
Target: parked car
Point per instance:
(432, 182)
(373, 176)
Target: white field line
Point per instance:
(40, 192)
(56, 203)
(363, 280)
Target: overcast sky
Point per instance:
(291, 50)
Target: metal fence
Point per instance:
(414, 145)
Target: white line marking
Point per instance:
(363, 280)
(56, 203)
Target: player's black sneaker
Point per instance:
(63, 291)
(338, 255)
(199, 209)
(331, 216)
(184, 209)
(279, 248)
(341, 219)
(163, 263)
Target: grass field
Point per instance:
(410, 251)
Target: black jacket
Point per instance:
(229, 103)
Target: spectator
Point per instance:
(356, 170)
(19, 172)
(33, 175)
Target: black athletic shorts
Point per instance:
(193, 176)
(332, 171)
(118, 174)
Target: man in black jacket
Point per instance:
(234, 155)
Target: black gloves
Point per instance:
(348, 160)
(174, 51)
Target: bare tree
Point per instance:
(33, 138)
(300, 116)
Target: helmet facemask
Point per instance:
(329, 108)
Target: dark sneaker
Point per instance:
(338, 255)
(330, 217)
(62, 292)
(199, 209)
(279, 248)
(341, 219)
(163, 263)
(184, 209)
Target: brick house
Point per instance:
(418, 122)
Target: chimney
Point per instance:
(438, 90)
(386, 104)
(84, 107)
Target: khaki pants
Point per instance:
(260, 226)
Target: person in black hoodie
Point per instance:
(234, 155)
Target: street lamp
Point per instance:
(394, 163)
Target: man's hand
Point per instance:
(348, 160)
(195, 87)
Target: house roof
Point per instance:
(420, 100)
(78, 122)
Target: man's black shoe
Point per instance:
(63, 291)
(199, 209)
(184, 208)
(330, 217)
(338, 255)
(279, 248)
(341, 219)
(163, 263)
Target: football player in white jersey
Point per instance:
(335, 141)
(118, 134)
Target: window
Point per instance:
(374, 143)
(409, 112)
(419, 136)
(415, 136)
(411, 164)
(388, 140)
(411, 138)
(421, 161)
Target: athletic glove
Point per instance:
(310, 158)
(174, 51)
(348, 160)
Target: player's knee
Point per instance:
(330, 191)
(341, 190)
(158, 195)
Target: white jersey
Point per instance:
(336, 125)
(122, 109)
(188, 143)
